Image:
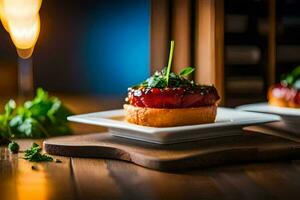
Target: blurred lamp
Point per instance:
(2, 16)
(21, 20)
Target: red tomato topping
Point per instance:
(173, 97)
(287, 93)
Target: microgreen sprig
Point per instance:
(167, 78)
(170, 61)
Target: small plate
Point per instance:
(228, 122)
(289, 115)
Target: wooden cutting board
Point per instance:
(248, 147)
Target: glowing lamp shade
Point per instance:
(21, 9)
(24, 35)
(3, 16)
(21, 19)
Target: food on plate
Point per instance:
(287, 92)
(167, 99)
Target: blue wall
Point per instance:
(116, 48)
(95, 46)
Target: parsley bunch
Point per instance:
(43, 116)
(34, 154)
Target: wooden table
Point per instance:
(80, 178)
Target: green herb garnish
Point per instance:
(170, 62)
(34, 154)
(158, 80)
(166, 78)
(292, 79)
(43, 116)
(186, 71)
(13, 147)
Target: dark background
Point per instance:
(246, 42)
(102, 47)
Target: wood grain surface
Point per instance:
(20, 181)
(248, 147)
(85, 178)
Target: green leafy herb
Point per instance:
(186, 71)
(13, 147)
(166, 78)
(158, 80)
(43, 116)
(292, 79)
(34, 154)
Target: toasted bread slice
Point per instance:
(164, 117)
(281, 102)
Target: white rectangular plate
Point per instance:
(228, 122)
(289, 115)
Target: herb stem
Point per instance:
(170, 61)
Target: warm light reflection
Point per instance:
(21, 19)
(31, 184)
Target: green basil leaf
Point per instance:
(186, 71)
